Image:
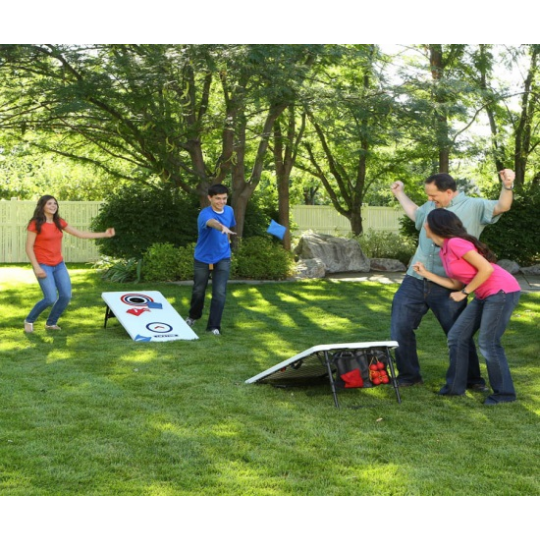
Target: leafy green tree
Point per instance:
(351, 130)
(188, 115)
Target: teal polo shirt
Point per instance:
(475, 215)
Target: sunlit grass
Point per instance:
(89, 411)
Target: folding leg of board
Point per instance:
(316, 366)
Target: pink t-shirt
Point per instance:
(457, 267)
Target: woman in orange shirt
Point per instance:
(44, 249)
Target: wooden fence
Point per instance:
(14, 216)
(326, 220)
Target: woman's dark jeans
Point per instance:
(491, 317)
(414, 298)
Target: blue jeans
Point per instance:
(220, 275)
(414, 298)
(57, 279)
(491, 317)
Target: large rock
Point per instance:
(387, 265)
(310, 268)
(509, 266)
(531, 270)
(337, 254)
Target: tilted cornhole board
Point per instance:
(315, 366)
(147, 316)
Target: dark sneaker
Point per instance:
(190, 322)
(479, 387)
(404, 383)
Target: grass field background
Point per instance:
(88, 411)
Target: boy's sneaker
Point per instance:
(216, 332)
(28, 327)
(190, 322)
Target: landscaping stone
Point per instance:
(337, 254)
(531, 270)
(509, 266)
(310, 268)
(387, 265)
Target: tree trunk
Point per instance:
(355, 217)
(285, 150)
(523, 130)
(437, 65)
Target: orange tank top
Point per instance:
(48, 244)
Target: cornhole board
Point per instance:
(146, 316)
(317, 365)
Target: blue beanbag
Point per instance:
(276, 229)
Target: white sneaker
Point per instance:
(28, 327)
(190, 322)
(216, 332)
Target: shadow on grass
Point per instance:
(90, 411)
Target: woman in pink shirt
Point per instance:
(470, 267)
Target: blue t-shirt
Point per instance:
(212, 245)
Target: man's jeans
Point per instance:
(414, 298)
(57, 280)
(491, 317)
(220, 275)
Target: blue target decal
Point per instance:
(159, 327)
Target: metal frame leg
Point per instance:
(331, 377)
(393, 374)
(108, 315)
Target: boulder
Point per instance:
(509, 266)
(531, 270)
(337, 254)
(310, 268)
(387, 265)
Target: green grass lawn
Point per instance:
(88, 411)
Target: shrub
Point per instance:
(185, 262)
(142, 215)
(262, 258)
(119, 270)
(161, 262)
(388, 245)
(514, 235)
(259, 211)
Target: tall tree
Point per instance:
(189, 115)
(350, 129)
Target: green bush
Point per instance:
(185, 262)
(387, 245)
(143, 216)
(514, 235)
(119, 270)
(259, 211)
(161, 263)
(261, 258)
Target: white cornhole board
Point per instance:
(297, 363)
(148, 316)
(321, 348)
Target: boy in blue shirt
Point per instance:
(212, 254)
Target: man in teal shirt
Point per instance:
(416, 296)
